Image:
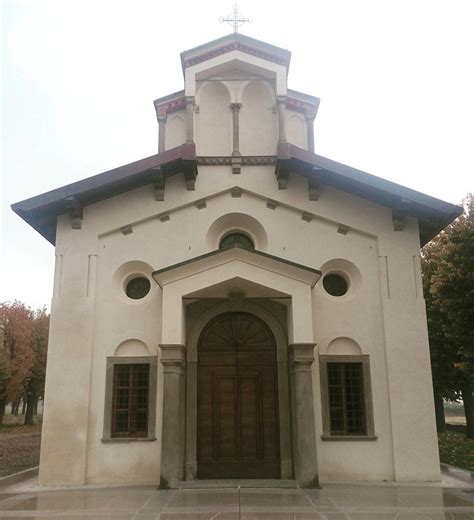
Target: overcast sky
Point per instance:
(395, 78)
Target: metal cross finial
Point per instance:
(235, 19)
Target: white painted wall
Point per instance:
(175, 134)
(258, 120)
(91, 316)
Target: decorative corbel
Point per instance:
(159, 183)
(236, 299)
(282, 173)
(399, 220)
(314, 189)
(75, 211)
(236, 192)
(342, 229)
(126, 230)
(236, 163)
(190, 179)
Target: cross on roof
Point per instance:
(235, 19)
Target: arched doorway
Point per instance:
(238, 426)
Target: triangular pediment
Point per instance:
(235, 42)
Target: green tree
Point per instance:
(448, 277)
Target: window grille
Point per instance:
(346, 399)
(130, 400)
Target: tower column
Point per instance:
(281, 102)
(236, 160)
(235, 127)
(161, 116)
(310, 117)
(189, 100)
(305, 457)
(173, 361)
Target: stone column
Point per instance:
(189, 119)
(235, 127)
(305, 457)
(281, 101)
(173, 360)
(310, 117)
(161, 131)
(236, 160)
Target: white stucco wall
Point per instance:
(383, 311)
(91, 317)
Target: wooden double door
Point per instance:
(238, 433)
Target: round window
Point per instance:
(138, 287)
(236, 240)
(335, 284)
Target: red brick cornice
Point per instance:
(170, 106)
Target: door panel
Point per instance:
(238, 433)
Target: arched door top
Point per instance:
(236, 331)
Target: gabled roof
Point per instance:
(303, 273)
(433, 214)
(42, 211)
(232, 42)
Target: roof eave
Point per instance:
(370, 187)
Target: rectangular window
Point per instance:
(130, 400)
(346, 397)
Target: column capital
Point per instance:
(302, 353)
(161, 117)
(189, 100)
(173, 354)
(235, 106)
(310, 116)
(282, 99)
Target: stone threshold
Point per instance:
(238, 483)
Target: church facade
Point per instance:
(237, 306)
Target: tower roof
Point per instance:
(232, 42)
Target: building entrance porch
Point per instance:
(237, 379)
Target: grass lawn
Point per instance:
(455, 449)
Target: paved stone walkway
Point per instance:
(333, 502)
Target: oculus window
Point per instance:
(335, 284)
(137, 288)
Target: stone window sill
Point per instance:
(108, 440)
(349, 438)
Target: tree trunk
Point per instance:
(35, 407)
(23, 407)
(30, 404)
(439, 411)
(15, 406)
(468, 409)
(2, 409)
